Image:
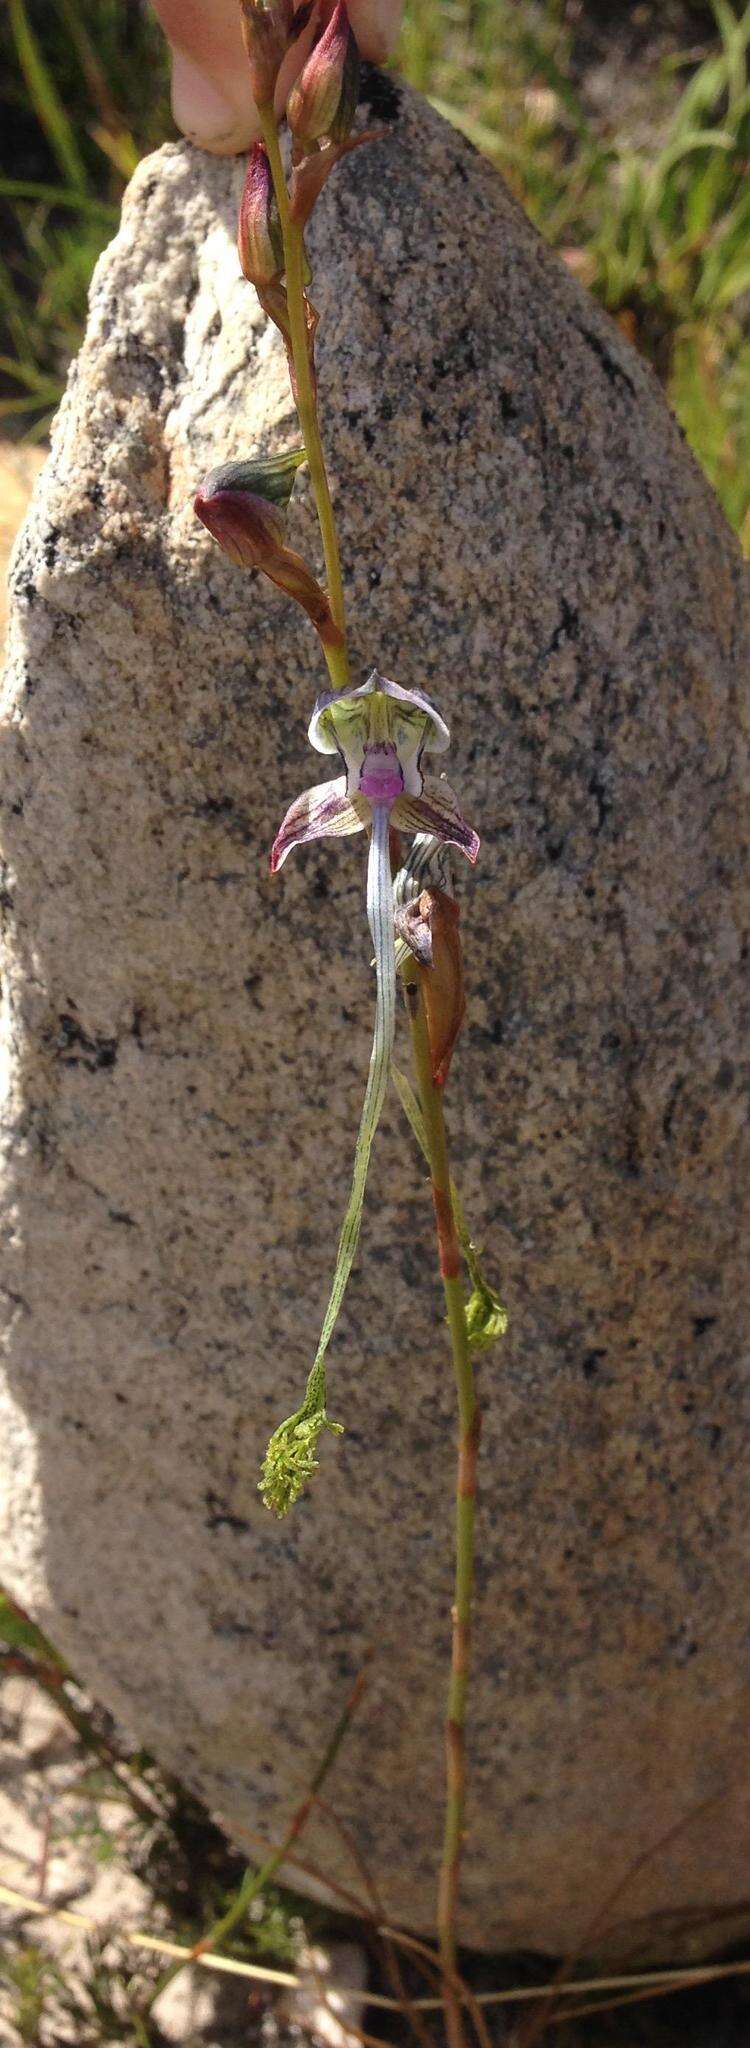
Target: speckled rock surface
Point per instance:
(525, 534)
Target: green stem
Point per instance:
(469, 1421)
(486, 1319)
(414, 1116)
(294, 254)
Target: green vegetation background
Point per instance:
(644, 191)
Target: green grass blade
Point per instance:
(44, 97)
(734, 34)
(735, 282)
(59, 195)
(27, 373)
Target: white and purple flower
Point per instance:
(380, 732)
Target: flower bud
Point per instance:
(266, 33)
(242, 504)
(259, 239)
(324, 98)
(246, 525)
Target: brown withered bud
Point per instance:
(242, 504)
(274, 302)
(415, 930)
(442, 980)
(324, 98)
(266, 33)
(259, 239)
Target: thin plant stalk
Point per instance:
(380, 919)
(337, 658)
(412, 1113)
(600, 1923)
(469, 1424)
(281, 1480)
(51, 1681)
(255, 1881)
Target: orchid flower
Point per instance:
(380, 733)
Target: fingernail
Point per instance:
(207, 115)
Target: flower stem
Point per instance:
(337, 658)
(290, 1458)
(255, 1881)
(469, 1425)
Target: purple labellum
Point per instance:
(381, 778)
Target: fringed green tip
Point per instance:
(486, 1319)
(290, 1459)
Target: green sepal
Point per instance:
(347, 106)
(486, 1319)
(270, 477)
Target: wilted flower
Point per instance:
(486, 1318)
(312, 172)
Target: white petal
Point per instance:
(324, 812)
(436, 811)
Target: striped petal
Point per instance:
(436, 811)
(325, 812)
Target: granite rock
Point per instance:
(525, 534)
